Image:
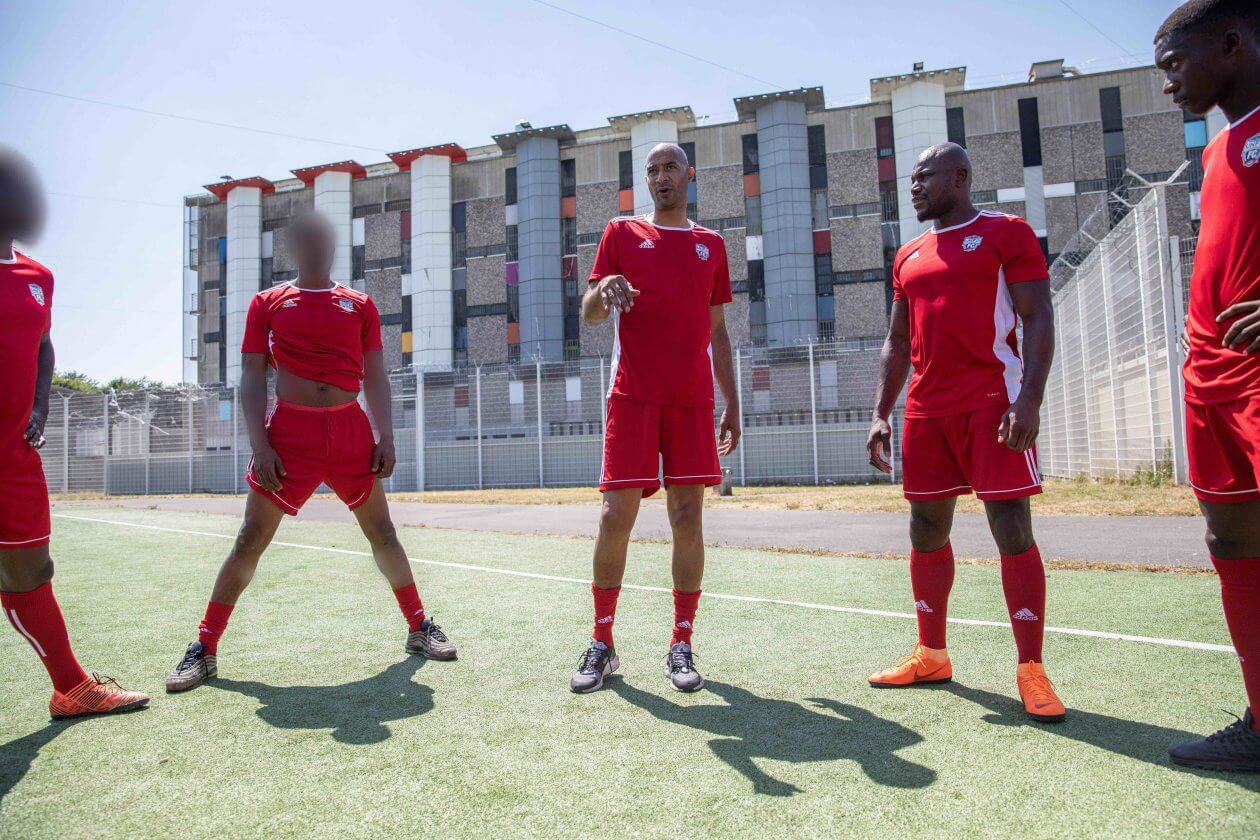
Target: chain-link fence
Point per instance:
(1113, 400)
(806, 413)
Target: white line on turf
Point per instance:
(973, 622)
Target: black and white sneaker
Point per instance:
(195, 668)
(598, 662)
(683, 675)
(431, 642)
(1236, 747)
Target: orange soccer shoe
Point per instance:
(95, 696)
(924, 666)
(1037, 692)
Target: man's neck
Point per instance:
(1242, 100)
(6, 249)
(314, 281)
(963, 213)
(673, 217)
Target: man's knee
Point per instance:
(685, 515)
(929, 524)
(616, 519)
(1011, 524)
(381, 533)
(25, 570)
(252, 539)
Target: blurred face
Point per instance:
(312, 241)
(667, 177)
(933, 189)
(1194, 69)
(22, 207)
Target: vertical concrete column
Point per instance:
(918, 112)
(643, 136)
(538, 237)
(431, 275)
(787, 225)
(332, 198)
(244, 269)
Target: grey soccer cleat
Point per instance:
(196, 667)
(430, 641)
(682, 674)
(598, 662)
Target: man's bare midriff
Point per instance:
(292, 388)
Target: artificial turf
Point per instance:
(320, 725)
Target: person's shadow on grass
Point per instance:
(1130, 738)
(17, 756)
(356, 712)
(751, 727)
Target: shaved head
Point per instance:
(668, 172)
(671, 150)
(21, 198)
(947, 156)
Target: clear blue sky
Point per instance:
(381, 76)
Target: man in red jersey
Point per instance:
(972, 409)
(1209, 51)
(323, 339)
(664, 280)
(26, 357)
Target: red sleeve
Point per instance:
(898, 292)
(371, 326)
(606, 261)
(48, 293)
(257, 327)
(721, 279)
(1022, 260)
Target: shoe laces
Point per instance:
(109, 685)
(589, 662)
(191, 657)
(1040, 687)
(1236, 731)
(679, 660)
(435, 632)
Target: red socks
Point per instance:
(409, 603)
(931, 578)
(685, 604)
(38, 618)
(605, 612)
(213, 625)
(1240, 594)
(1024, 584)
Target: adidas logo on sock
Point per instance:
(683, 625)
(1026, 615)
(605, 620)
(922, 606)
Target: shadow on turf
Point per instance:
(752, 727)
(17, 756)
(356, 712)
(1130, 738)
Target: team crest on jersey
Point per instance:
(347, 305)
(1251, 151)
(702, 250)
(971, 243)
(37, 292)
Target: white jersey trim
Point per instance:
(1242, 120)
(956, 227)
(294, 284)
(650, 218)
(1003, 324)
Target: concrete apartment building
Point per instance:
(479, 255)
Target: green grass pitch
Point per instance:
(320, 725)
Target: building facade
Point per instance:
(479, 255)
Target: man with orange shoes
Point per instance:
(972, 409)
(26, 357)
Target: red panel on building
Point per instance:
(221, 189)
(752, 184)
(451, 150)
(404, 219)
(761, 378)
(568, 208)
(308, 174)
(514, 333)
(461, 396)
(822, 242)
(569, 268)
(625, 201)
(887, 169)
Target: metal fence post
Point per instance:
(148, 440)
(813, 410)
(739, 395)
(189, 430)
(105, 449)
(1143, 272)
(538, 397)
(1085, 383)
(419, 374)
(1108, 331)
(236, 436)
(65, 444)
(1171, 284)
(480, 469)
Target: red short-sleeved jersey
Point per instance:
(661, 350)
(962, 322)
(1226, 265)
(314, 334)
(26, 296)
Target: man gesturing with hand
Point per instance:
(972, 409)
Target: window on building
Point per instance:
(513, 242)
(568, 178)
(509, 186)
(1196, 131)
(1030, 131)
(568, 236)
(884, 137)
(1112, 113)
(819, 208)
(889, 207)
(752, 215)
(357, 262)
(514, 304)
(459, 217)
(817, 140)
(826, 308)
(956, 126)
(689, 149)
(823, 278)
(625, 170)
(752, 160)
(756, 280)
(406, 313)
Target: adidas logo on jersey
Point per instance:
(646, 243)
(289, 304)
(913, 256)
(922, 606)
(1025, 615)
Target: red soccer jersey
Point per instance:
(1226, 265)
(26, 294)
(661, 350)
(319, 335)
(962, 322)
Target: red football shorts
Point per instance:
(316, 446)
(640, 438)
(24, 520)
(1223, 442)
(951, 456)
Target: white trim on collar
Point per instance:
(651, 219)
(12, 261)
(956, 227)
(294, 284)
(1243, 119)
